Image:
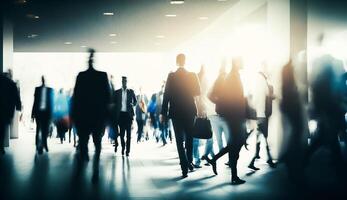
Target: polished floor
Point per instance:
(151, 172)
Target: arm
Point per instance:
(134, 98)
(17, 98)
(34, 106)
(166, 96)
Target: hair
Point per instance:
(91, 57)
(181, 59)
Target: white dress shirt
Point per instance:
(43, 99)
(124, 100)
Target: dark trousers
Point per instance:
(42, 129)
(164, 129)
(184, 141)
(140, 124)
(233, 148)
(125, 121)
(2, 134)
(263, 124)
(84, 134)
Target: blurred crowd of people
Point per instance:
(94, 105)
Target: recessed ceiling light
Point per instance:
(160, 36)
(67, 43)
(33, 36)
(83, 46)
(170, 15)
(203, 18)
(108, 13)
(20, 1)
(177, 2)
(32, 16)
(112, 35)
(113, 42)
(221, 0)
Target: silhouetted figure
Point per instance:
(328, 108)
(179, 104)
(264, 96)
(233, 108)
(141, 114)
(113, 130)
(219, 123)
(89, 109)
(125, 100)
(61, 114)
(292, 109)
(42, 112)
(163, 125)
(9, 101)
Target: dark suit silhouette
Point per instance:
(179, 104)
(232, 106)
(10, 100)
(89, 109)
(42, 116)
(125, 117)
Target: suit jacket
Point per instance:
(217, 92)
(37, 100)
(131, 102)
(10, 99)
(91, 98)
(232, 99)
(180, 90)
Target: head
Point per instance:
(202, 69)
(43, 81)
(91, 58)
(124, 82)
(236, 64)
(61, 90)
(10, 73)
(181, 60)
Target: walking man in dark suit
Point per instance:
(10, 100)
(90, 104)
(42, 113)
(179, 104)
(125, 100)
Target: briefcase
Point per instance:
(202, 128)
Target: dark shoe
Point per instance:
(184, 175)
(203, 157)
(227, 164)
(127, 154)
(271, 164)
(214, 165)
(237, 181)
(197, 166)
(207, 164)
(253, 167)
(191, 167)
(46, 148)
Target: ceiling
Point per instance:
(138, 25)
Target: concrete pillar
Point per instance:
(6, 54)
(278, 28)
(298, 43)
(287, 29)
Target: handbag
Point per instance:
(202, 128)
